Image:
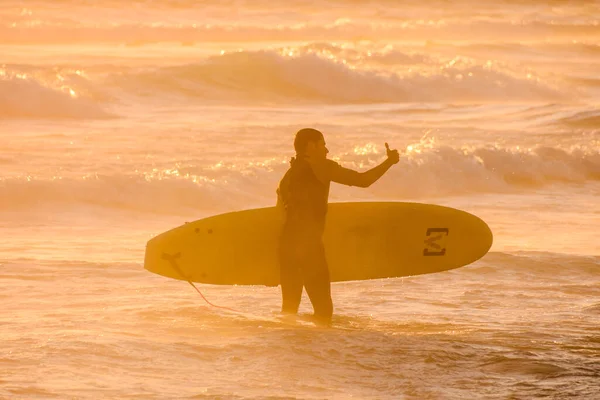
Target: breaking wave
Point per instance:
(425, 171)
(266, 76)
(258, 78)
(25, 97)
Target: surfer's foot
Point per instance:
(321, 320)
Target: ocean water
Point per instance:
(119, 122)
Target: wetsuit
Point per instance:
(303, 195)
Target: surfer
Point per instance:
(303, 194)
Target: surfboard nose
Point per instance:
(485, 235)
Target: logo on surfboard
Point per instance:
(435, 242)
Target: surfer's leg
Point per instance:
(318, 286)
(290, 280)
(291, 292)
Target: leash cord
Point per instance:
(171, 259)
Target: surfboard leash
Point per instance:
(172, 259)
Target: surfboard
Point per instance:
(363, 240)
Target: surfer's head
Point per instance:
(310, 142)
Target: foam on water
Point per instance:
(120, 122)
(261, 77)
(410, 337)
(426, 170)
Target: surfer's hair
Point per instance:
(303, 136)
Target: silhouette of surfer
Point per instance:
(303, 195)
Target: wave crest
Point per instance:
(426, 170)
(22, 96)
(267, 76)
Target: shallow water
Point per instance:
(117, 124)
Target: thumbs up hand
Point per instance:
(392, 155)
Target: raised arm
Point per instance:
(350, 177)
